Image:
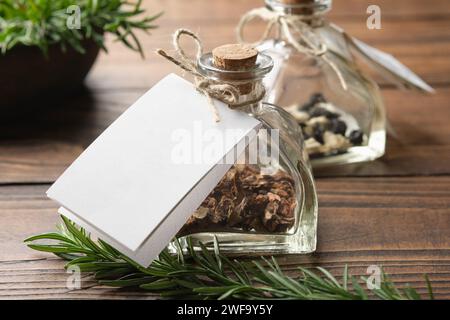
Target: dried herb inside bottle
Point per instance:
(247, 200)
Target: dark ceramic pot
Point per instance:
(29, 78)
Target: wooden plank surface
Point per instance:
(393, 212)
(61, 131)
(39, 149)
(363, 221)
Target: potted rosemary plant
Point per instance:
(48, 46)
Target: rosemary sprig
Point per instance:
(208, 275)
(42, 23)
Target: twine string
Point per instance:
(226, 92)
(308, 42)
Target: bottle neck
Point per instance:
(250, 96)
(249, 82)
(310, 11)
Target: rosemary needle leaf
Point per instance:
(126, 283)
(50, 236)
(161, 284)
(358, 289)
(205, 274)
(345, 278)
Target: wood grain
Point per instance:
(39, 149)
(393, 212)
(61, 130)
(411, 41)
(402, 224)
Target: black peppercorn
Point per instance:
(305, 134)
(318, 132)
(319, 112)
(338, 126)
(356, 137)
(307, 106)
(317, 98)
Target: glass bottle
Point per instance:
(340, 125)
(267, 204)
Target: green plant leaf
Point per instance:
(205, 274)
(44, 23)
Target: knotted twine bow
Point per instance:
(309, 42)
(211, 88)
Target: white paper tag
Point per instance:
(131, 187)
(389, 66)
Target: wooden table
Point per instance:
(394, 212)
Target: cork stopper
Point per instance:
(236, 57)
